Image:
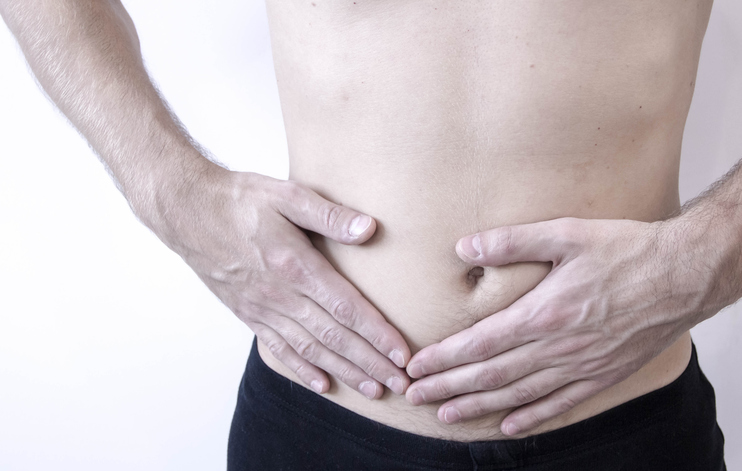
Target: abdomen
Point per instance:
(443, 122)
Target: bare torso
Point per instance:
(441, 119)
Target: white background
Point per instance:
(113, 354)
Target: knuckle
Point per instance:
(295, 270)
(291, 190)
(344, 311)
(376, 338)
(565, 404)
(330, 215)
(276, 257)
(290, 266)
(253, 186)
(533, 419)
(549, 320)
(268, 291)
(373, 367)
(277, 349)
(442, 389)
(524, 393)
(479, 348)
(304, 316)
(332, 338)
(300, 369)
(275, 192)
(476, 407)
(490, 378)
(307, 349)
(504, 241)
(345, 374)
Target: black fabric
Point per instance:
(279, 425)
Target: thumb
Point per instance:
(544, 241)
(308, 210)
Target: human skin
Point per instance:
(241, 232)
(408, 144)
(446, 119)
(619, 293)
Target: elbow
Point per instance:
(127, 22)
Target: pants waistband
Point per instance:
(592, 432)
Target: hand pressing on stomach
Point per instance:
(618, 294)
(242, 234)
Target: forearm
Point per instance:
(710, 228)
(85, 55)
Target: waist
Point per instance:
(395, 412)
(410, 272)
(683, 404)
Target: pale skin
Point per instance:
(203, 211)
(585, 327)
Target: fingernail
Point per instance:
(451, 415)
(472, 246)
(397, 357)
(417, 398)
(368, 389)
(358, 225)
(317, 386)
(415, 370)
(395, 384)
(511, 429)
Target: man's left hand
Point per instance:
(619, 293)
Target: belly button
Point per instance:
(474, 275)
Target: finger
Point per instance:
(481, 376)
(307, 209)
(351, 346)
(312, 350)
(552, 405)
(523, 391)
(342, 301)
(282, 351)
(485, 339)
(544, 241)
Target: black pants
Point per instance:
(279, 425)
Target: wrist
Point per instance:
(707, 248)
(177, 181)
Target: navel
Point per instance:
(474, 275)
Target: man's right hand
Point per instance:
(238, 231)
